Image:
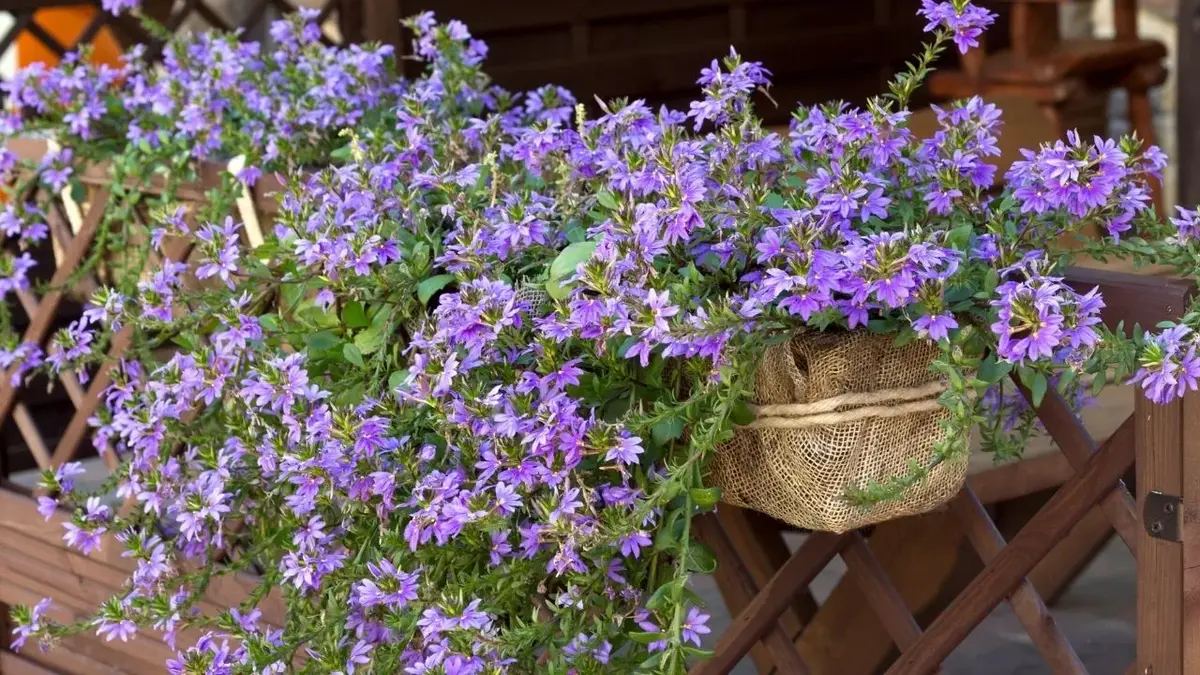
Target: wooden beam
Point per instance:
(381, 22)
(1005, 573)
(881, 593)
(1187, 103)
(1026, 603)
(738, 588)
(925, 560)
(1160, 562)
(756, 620)
(1020, 478)
(1078, 446)
(1190, 517)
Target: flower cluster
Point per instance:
(456, 408)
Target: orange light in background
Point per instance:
(66, 24)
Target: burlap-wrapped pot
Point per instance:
(834, 410)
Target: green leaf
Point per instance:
(959, 237)
(396, 379)
(556, 290)
(322, 341)
(351, 354)
(78, 191)
(701, 558)
(705, 497)
(1038, 389)
(992, 370)
(607, 200)
(340, 155)
(774, 201)
(427, 288)
(352, 396)
(667, 430)
(354, 316)
(642, 637)
(881, 325)
(291, 294)
(370, 340)
(270, 322)
(576, 233)
(742, 414)
(663, 594)
(570, 258)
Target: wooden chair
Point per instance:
(790, 636)
(1055, 73)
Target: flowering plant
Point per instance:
(456, 408)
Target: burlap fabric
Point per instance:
(836, 410)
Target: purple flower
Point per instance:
(1170, 366)
(116, 7)
(28, 625)
(120, 629)
(966, 22)
(632, 543)
(626, 451)
(1187, 224)
(694, 625)
(935, 326)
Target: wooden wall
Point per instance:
(818, 50)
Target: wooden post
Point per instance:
(381, 22)
(1187, 123)
(1158, 441)
(1190, 517)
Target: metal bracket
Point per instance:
(1160, 516)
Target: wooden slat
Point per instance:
(760, 545)
(1000, 578)
(1187, 102)
(80, 655)
(33, 437)
(18, 513)
(881, 594)
(756, 620)
(143, 656)
(11, 664)
(40, 324)
(738, 588)
(1190, 549)
(1160, 563)
(923, 558)
(1134, 299)
(1078, 446)
(1055, 573)
(1026, 604)
(1017, 479)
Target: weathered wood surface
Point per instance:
(35, 563)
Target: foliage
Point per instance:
(456, 408)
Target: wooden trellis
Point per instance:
(348, 14)
(73, 228)
(1158, 527)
